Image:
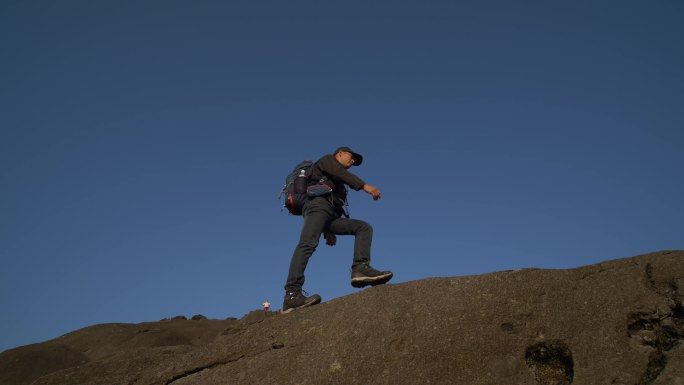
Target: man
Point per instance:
(324, 215)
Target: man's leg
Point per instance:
(363, 237)
(316, 216)
(362, 273)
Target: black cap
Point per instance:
(358, 159)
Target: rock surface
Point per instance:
(619, 322)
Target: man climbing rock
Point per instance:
(326, 214)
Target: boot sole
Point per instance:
(314, 301)
(371, 281)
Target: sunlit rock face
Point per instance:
(620, 322)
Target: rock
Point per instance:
(256, 316)
(617, 322)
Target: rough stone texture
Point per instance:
(619, 322)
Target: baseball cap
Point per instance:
(357, 157)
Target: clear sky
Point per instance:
(143, 145)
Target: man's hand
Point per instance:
(330, 239)
(372, 190)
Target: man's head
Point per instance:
(347, 157)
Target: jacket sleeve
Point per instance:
(331, 166)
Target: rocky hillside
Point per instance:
(619, 322)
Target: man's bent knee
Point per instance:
(365, 227)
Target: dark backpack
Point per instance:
(295, 187)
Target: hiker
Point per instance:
(266, 305)
(326, 214)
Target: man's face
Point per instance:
(345, 158)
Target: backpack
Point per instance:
(296, 184)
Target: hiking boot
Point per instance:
(364, 275)
(295, 299)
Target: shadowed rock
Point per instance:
(617, 322)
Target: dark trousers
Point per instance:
(319, 217)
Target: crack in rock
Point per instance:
(198, 370)
(273, 346)
(659, 331)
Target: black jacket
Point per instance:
(336, 176)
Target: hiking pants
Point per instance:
(319, 217)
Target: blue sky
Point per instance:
(143, 145)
